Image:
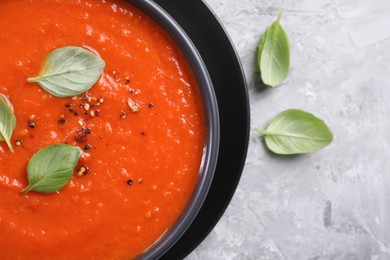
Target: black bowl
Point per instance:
(210, 157)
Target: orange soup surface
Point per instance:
(142, 164)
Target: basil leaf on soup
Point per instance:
(51, 168)
(69, 71)
(7, 121)
(273, 55)
(295, 131)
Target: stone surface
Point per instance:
(333, 204)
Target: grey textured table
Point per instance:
(333, 204)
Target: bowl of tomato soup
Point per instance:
(148, 130)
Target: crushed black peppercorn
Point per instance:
(87, 130)
(31, 124)
(129, 182)
(87, 147)
(62, 121)
(86, 97)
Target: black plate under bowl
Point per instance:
(230, 87)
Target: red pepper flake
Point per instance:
(140, 180)
(87, 106)
(18, 142)
(82, 170)
(133, 106)
(127, 82)
(81, 136)
(123, 115)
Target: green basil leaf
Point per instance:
(7, 121)
(51, 168)
(69, 71)
(273, 54)
(295, 131)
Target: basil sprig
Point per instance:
(51, 168)
(273, 55)
(295, 131)
(7, 121)
(69, 71)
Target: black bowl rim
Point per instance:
(210, 157)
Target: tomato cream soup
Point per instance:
(141, 129)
